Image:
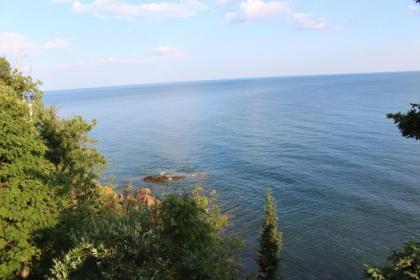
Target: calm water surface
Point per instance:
(346, 182)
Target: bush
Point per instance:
(403, 265)
(179, 238)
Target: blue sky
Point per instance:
(88, 43)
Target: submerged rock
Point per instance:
(162, 178)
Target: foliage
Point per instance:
(192, 240)
(74, 258)
(12, 78)
(27, 201)
(71, 150)
(73, 220)
(270, 241)
(55, 214)
(408, 123)
(176, 239)
(133, 241)
(48, 169)
(21, 84)
(403, 265)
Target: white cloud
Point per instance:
(167, 52)
(414, 8)
(19, 45)
(16, 44)
(223, 2)
(251, 10)
(307, 21)
(257, 9)
(118, 9)
(163, 53)
(57, 43)
(95, 62)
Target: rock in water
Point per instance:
(162, 178)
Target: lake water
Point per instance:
(347, 184)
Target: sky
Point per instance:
(89, 43)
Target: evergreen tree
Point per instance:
(270, 241)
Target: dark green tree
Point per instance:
(67, 166)
(403, 265)
(270, 241)
(21, 85)
(191, 244)
(27, 201)
(78, 162)
(408, 123)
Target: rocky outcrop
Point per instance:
(144, 196)
(111, 199)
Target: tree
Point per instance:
(46, 162)
(72, 151)
(21, 84)
(191, 240)
(27, 200)
(403, 265)
(270, 241)
(408, 123)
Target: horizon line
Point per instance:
(227, 79)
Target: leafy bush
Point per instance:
(179, 238)
(403, 265)
(74, 259)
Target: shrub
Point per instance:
(403, 265)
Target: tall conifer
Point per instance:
(270, 241)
